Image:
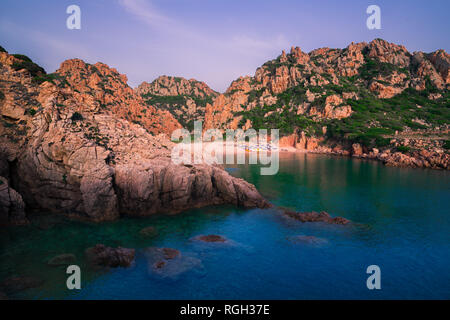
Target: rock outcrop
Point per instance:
(328, 100)
(315, 217)
(102, 256)
(185, 99)
(384, 68)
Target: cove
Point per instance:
(400, 221)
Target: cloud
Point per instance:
(53, 47)
(240, 43)
(203, 54)
(245, 43)
(145, 12)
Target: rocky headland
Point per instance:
(371, 100)
(81, 142)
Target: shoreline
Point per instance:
(418, 159)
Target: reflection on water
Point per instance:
(401, 223)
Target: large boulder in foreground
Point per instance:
(161, 186)
(83, 144)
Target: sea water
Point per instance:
(400, 222)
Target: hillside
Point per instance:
(372, 100)
(185, 99)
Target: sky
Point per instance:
(215, 41)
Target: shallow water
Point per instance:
(401, 223)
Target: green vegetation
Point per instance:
(403, 149)
(31, 111)
(94, 134)
(22, 57)
(27, 64)
(254, 95)
(446, 145)
(2, 49)
(51, 77)
(169, 100)
(2, 96)
(373, 68)
(175, 103)
(76, 116)
(373, 121)
(375, 118)
(271, 117)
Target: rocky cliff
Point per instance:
(83, 143)
(185, 99)
(375, 95)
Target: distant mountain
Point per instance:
(185, 99)
(371, 95)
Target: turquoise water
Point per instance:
(401, 223)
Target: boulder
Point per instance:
(210, 238)
(167, 263)
(64, 259)
(100, 255)
(357, 149)
(149, 232)
(18, 284)
(169, 253)
(316, 217)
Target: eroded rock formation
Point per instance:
(83, 143)
(327, 100)
(185, 99)
(394, 70)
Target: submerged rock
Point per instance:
(100, 255)
(17, 284)
(169, 263)
(149, 232)
(170, 253)
(62, 260)
(311, 240)
(210, 238)
(316, 217)
(98, 158)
